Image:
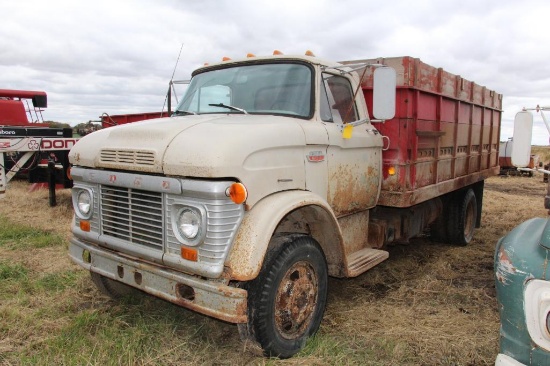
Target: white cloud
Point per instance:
(117, 56)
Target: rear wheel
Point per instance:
(462, 218)
(286, 302)
(114, 289)
(438, 229)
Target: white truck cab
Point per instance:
(242, 202)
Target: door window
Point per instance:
(337, 102)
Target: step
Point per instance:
(364, 259)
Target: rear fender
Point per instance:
(297, 212)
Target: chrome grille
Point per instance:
(223, 219)
(128, 157)
(132, 215)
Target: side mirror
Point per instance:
(384, 85)
(523, 130)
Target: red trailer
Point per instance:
(120, 119)
(445, 134)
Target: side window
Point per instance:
(337, 104)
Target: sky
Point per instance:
(118, 56)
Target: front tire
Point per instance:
(286, 302)
(114, 289)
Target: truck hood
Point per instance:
(246, 147)
(136, 146)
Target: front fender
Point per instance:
(259, 224)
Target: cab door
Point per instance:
(354, 163)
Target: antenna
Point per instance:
(168, 97)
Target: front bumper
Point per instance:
(204, 296)
(504, 360)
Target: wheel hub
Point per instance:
(296, 300)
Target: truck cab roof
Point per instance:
(258, 59)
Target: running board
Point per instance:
(364, 259)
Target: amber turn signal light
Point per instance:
(237, 192)
(189, 254)
(85, 225)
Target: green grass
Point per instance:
(12, 272)
(56, 282)
(16, 236)
(137, 332)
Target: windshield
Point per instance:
(279, 88)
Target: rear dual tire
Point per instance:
(457, 222)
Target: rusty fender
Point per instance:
(259, 224)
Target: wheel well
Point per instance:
(478, 191)
(314, 221)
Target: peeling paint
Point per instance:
(505, 268)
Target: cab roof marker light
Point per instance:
(225, 58)
(309, 53)
(277, 52)
(250, 55)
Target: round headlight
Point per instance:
(189, 223)
(84, 202)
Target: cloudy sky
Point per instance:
(117, 56)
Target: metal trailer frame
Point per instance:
(30, 146)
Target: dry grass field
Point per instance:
(428, 304)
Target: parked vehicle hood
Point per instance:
(248, 148)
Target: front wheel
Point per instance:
(286, 302)
(114, 289)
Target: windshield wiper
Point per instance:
(182, 113)
(221, 105)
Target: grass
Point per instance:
(21, 236)
(10, 272)
(428, 304)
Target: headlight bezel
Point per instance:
(200, 214)
(77, 194)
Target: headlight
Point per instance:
(537, 312)
(83, 203)
(188, 223)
